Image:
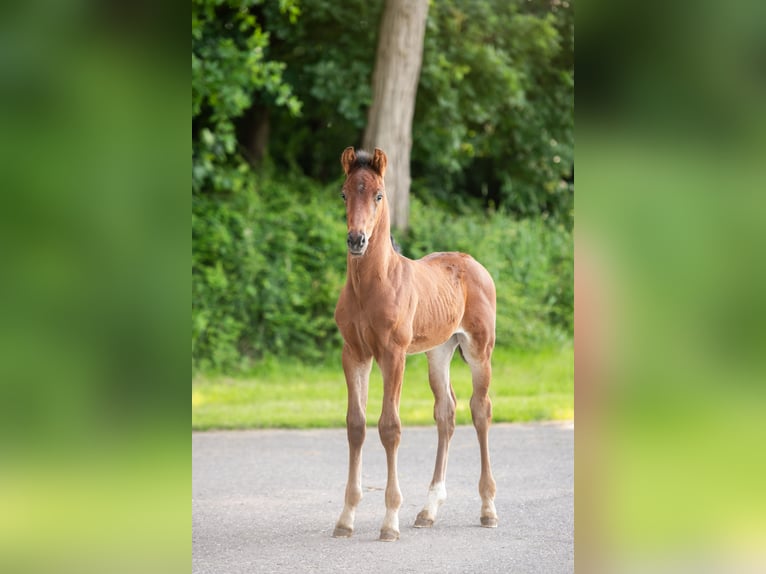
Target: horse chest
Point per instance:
(371, 321)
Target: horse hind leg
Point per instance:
(444, 414)
(478, 356)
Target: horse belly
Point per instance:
(433, 324)
(423, 345)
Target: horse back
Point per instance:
(463, 271)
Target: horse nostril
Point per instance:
(356, 241)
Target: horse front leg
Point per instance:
(357, 371)
(390, 430)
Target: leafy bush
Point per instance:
(267, 266)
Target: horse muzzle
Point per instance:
(357, 242)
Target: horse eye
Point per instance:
(343, 195)
(379, 197)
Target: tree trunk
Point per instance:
(395, 85)
(260, 128)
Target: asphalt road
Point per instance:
(267, 501)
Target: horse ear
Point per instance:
(379, 161)
(347, 159)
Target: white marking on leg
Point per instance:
(391, 520)
(352, 501)
(437, 494)
(347, 517)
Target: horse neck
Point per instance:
(367, 272)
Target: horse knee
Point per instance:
(390, 432)
(481, 409)
(356, 428)
(444, 415)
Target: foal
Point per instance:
(390, 307)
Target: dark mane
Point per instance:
(363, 160)
(396, 246)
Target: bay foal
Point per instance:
(390, 307)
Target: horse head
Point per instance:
(365, 196)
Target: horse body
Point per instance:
(392, 306)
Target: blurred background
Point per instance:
(94, 213)
(94, 466)
(94, 288)
(670, 279)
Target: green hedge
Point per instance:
(268, 263)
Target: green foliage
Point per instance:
(494, 113)
(229, 67)
(495, 106)
(237, 310)
(330, 54)
(267, 268)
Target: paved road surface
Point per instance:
(267, 501)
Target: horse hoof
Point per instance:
(388, 535)
(489, 521)
(423, 520)
(342, 532)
